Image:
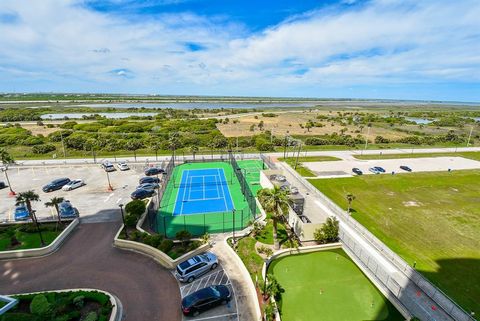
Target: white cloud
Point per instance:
(383, 42)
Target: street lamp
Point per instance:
(4, 169)
(123, 220)
(233, 229)
(110, 188)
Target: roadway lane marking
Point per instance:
(108, 197)
(215, 317)
(118, 201)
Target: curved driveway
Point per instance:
(88, 259)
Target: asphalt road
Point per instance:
(88, 259)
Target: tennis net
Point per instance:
(201, 184)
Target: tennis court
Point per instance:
(203, 191)
(206, 197)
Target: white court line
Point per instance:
(223, 191)
(216, 187)
(184, 191)
(204, 199)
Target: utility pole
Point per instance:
(298, 153)
(63, 146)
(366, 139)
(469, 136)
(285, 147)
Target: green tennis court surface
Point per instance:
(328, 286)
(201, 219)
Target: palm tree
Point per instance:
(155, 145)
(54, 202)
(6, 160)
(173, 142)
(274, 201)
(194, 150)
(350, 199)
(27, 198)
(134, 145)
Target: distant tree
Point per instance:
(173, 142)
(194, 150)
(350, 198)
(134, 145)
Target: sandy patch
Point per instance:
(411, 204)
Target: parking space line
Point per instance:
(215, 317)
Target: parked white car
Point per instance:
(76, 183)
(123, 166)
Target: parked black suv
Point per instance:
(56, 184)
(140, 194)
(154, 171)
(205, 299)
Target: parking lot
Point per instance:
(426, 164)
(215, 277)
(94, 201)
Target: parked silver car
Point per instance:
(198, 265)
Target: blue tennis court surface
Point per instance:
(203, 191)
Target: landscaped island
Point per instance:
(61, 306)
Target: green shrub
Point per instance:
(135, 235)
(43, 148)
(193, 245)
(74, 315)
(63, 317)
(130, 220)
(135, 207)
(40, 306)
(166, 246)
(153, 240)
(92, 316)
(79, 301)
(18, 317)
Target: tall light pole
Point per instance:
(233, 228)
(4, 169)
(109, 188)
(123, 220)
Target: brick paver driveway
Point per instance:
(88, 259)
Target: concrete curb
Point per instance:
(162, 258)
(117, 307)
(42, 251)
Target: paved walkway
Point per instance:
(88, 259)
(245, 294)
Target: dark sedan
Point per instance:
(205, 299)
(140, 194)
(154, 171)
(380, 169)
(149, 186)
(56, 184)
(357, 171)
(406, 168)
(149, 179)
(2, 185)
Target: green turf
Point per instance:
(199, 224)
(431, 218)
(328, 286)
(471, 155)
(28, 240)
(249, 256)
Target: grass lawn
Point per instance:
(471, 155)
(328, 286)
(247, 253)
(431, 218)
(28, 237)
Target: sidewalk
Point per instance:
(247, 305)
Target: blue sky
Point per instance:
(394, 49)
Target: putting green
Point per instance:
(328, 286)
